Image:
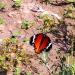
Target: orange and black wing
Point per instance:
(41, 42)
(37, 42)
(46, 44)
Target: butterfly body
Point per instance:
(40, 42)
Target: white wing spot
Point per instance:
(49, 45)
(33, 39)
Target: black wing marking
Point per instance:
(32, 40)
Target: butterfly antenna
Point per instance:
(44, 32)
(33, 31)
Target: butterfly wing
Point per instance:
(46, 44)
(37, 42)
(41, 42)
(32, 39)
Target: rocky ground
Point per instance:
(13, 20)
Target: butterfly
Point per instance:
(41, 42)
